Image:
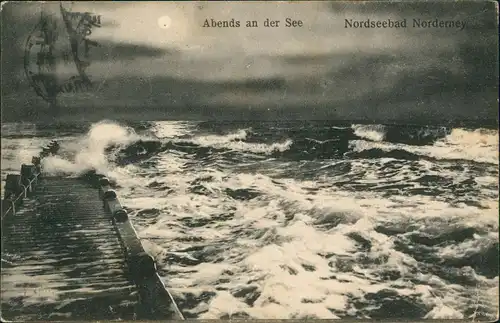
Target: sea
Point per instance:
(298, 219)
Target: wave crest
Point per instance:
(89, 153)
(370, 132)
(471, 139)
(479, 145)
(236, 141)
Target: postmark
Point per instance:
(58, 43)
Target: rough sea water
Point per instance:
(296, 220)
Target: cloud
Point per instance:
(112, 51)
(322, 70)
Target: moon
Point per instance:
(164, 22)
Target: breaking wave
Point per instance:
(89, 151)
(370, 132)
(92, 150)
(473, 145)
(411, 135)
(236, 141)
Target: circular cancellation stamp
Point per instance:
(57, 53)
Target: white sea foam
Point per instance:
(235, 141)
(478, 145)
(89, 151)
(281, 238)
(370, 132)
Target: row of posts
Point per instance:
(21, 186)
(142, 266)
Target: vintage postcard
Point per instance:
(249, 160)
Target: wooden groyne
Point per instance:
(70, 252)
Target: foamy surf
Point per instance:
(283, 247)
(293, 237)
(478, 145)
(370, 132)
(235, 141)
(89, 152)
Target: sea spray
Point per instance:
(89, 152)
(370, 132)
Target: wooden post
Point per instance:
(12, 186)
(28, 175)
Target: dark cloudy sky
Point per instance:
(157, 61)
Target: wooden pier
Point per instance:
(69, 252)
